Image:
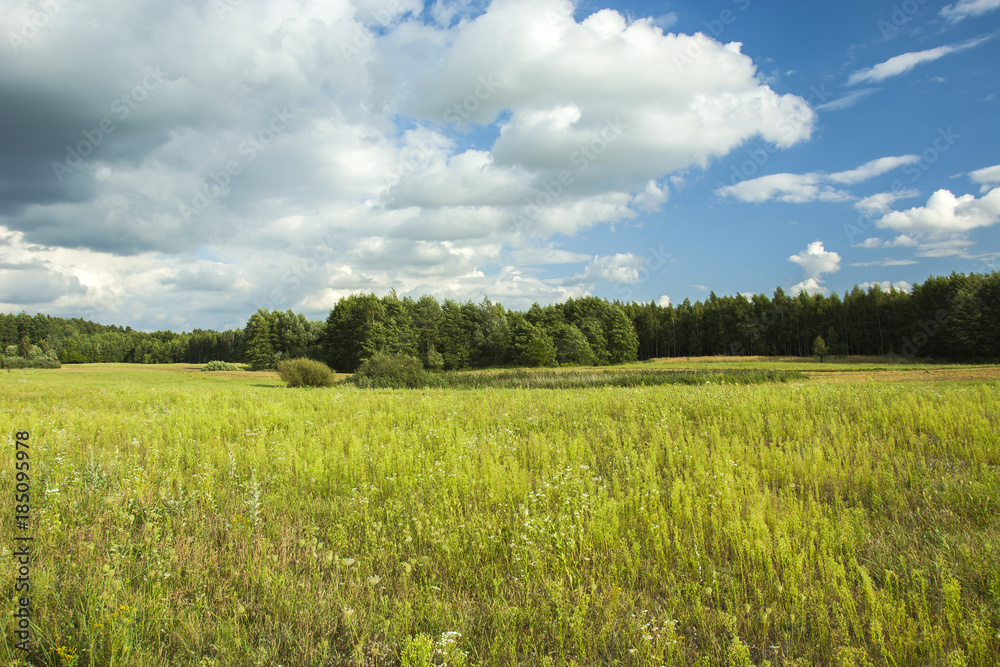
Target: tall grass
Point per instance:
(186, 520)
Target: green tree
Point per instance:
(623, 343)
(356, 330)
(259, 351)
(572, 346)
(527, 344)
(819, 348)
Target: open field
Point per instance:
(188, 518)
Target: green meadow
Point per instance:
(222, 519)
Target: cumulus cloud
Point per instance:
(810, 286)
(964, 9)
(282, 156)
(946, 213)
(815, 260)
(987, 177)
(905, 62)
(617, 268)
(899, 285)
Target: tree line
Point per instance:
(945, 317)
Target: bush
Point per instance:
(305, 373)
(397, 371)
(49, 360)
(220, 366)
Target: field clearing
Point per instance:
(189, 518)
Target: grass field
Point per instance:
(187, 518)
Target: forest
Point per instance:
(954, 317)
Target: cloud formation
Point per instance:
(284, 154)
(815, 261)
(945, 213)
(905, 62)
(964, 9)
(810, 187)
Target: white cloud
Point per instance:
(847, 101)
(592, 119)
(617, 268)
(901, 241)
(602, 97)
(987, 177)
(663, 301)
(899, 285)
(811, 187)
(789, 188)
(815, 260)
(963, 9)
(872, 169)
(882, 202)
(945, 213)
(887, 262)
(907, 61)
(810, 285)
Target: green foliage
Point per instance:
(34, 359)
(418, 651)
(583, 379)
(259, 350)
(391, 371)
(528, 345)
(220, 366)
(361, 326)
(622, 342)
(819, 348)
(738, 654)
(572, 346)
(305, 373)
(433, 360)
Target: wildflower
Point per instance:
(348, 561)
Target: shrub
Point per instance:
(220, 366)
(44, 360)
(305, 373)
(396, 371)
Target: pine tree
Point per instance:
(259, 351)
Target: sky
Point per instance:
(180, 165)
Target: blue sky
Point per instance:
(178, 166)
